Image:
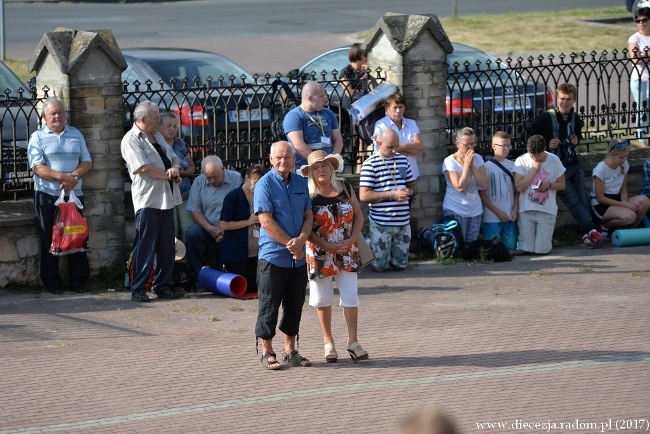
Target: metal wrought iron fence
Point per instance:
(235, 121)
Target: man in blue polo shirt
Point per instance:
(282, 203)
(59, 158)
(204, 205)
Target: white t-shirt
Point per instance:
(643, 42)
(549, 171)
(501, 189)
(612, 178)
(406, 135)
(464, 203)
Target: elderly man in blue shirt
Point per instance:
(59, 159)
(204, 204)
(282, 203)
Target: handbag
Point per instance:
(70, 230)
(365, 252)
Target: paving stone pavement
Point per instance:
(556, 339)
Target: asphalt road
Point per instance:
(261, 35)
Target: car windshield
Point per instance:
(328, 62)
(8, 80)
(217, 68)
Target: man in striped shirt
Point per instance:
(388, 184)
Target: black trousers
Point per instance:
(153, 243)
(78, 268)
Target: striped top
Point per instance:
(386, 174)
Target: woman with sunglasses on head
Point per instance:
(609, 197)
(638, 46)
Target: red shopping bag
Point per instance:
(70, 230)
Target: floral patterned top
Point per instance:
(333, 218)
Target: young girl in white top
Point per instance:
(609, 198)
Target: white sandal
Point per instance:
(331, 356)
(357, 352)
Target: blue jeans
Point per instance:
(639, 90)
(575, 199)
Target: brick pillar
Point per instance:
(412, 52)
(82, 68)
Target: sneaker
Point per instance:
(139, 296)
(595, 236)
(587, 242)
(294, 359)
(168, 293)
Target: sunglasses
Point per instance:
(621, 145)
(642, 21)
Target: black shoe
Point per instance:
(168, 293)
(140, 296)
(55, 290)
(79, 288)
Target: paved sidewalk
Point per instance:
(558, 339)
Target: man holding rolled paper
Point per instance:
(311, 126)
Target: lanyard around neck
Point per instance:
(394, 172)
(319, 123)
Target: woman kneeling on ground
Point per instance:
(609, 197)
(332, 250)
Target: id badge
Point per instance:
(256, 233)
(325, 140)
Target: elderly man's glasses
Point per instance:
(642, 20)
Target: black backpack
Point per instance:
(446, 238)
(366, 125)
(291, 102)
(493, 250)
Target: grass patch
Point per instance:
(213, 318)
(190, 309)
(541, 274)
(59, 344)
(24, 286)
(235, 308)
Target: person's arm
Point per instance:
(337, 141)
(295, 245)
(369, 195)
(238, 224)
(191, 167)
(481, 176)
(515, 207)
(459, 181)
(522, 182)
(297, 140)
(637, 55)
(215, 231)
(411, 148)
(492, 207)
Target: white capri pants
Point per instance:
(321, 291)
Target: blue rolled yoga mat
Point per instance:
(631, 237)
(228, 284)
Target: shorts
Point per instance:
(505, 231)
(599, 209)
(321, 291)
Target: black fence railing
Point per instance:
(233, 116)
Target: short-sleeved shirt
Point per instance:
(386, 174)
(287, 202)
(406, 135)
(549, 171)
(313, 127)
(180, 149)
(612, 179)
(235, 245)
(207, 199)
(463, 203)
(643, 42)
(501, 189)
(148, 192)
(61, 152)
